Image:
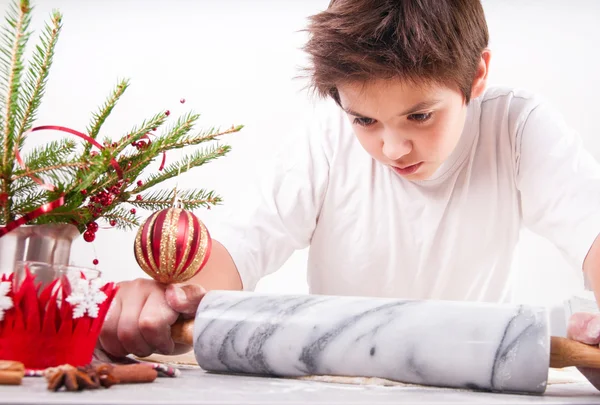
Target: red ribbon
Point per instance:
(52, 205)
(164, 158)
(89, 139)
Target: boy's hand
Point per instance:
(140, 318)
(585, 328)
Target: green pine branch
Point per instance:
(124, 219)
(54, 153)
(188, 199)
(204, 136)
(33, 89)
(13, 40)
(104, 111)
(188, 162)
(93, 188)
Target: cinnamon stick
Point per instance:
(11, 372)
(133, 373)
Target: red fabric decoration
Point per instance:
(40, 330)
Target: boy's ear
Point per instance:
(481, 76)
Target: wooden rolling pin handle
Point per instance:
(182, 332)
(570, 353)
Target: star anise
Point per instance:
(71, 378)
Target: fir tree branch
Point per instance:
(11, 67)
(189, 199)
(50, 169)
(33, 89)
(100, 117)
(181, 128)
(30, 201)
(138, 132)
(52, 153)
(124, 219)
(206, 136)
(196, 159)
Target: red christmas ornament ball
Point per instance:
(172, 245)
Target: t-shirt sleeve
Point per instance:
(275, 213)
(559, 183)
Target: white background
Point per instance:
(234, 62)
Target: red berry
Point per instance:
(114, 145)
(140, 183)
(89, 236)
(83, 192)
(92, 226)
(167, 113)
(154, 129)
(113, 222)
(138, 197)
(133, 211)
(182, 100)
(95, 261)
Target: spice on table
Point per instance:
(71, 378)
(92, 377)
(11, 372)
(133, 373)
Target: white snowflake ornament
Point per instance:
(86, 297)
(6, 302)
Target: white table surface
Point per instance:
(195, 386)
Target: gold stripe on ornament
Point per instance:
(173, 230)
(199, 254)
(151, 262)
(140, 254)
(166, 233)
(188, 242)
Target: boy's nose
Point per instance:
(394, 148)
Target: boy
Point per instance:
(415, 184)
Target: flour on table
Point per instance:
(569, 375)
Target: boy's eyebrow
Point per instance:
(415, 108)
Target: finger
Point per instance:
(184, 298)
(128, 330)
(585, 328)
(155, 322)
(109, 342)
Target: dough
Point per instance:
(569, 375)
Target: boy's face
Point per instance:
(413, 129)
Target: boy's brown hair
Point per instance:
(421, 41)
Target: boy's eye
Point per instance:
(420, 118)
(364, 121)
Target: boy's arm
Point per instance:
(559, 185)
(220, 272)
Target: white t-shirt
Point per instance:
(453, 236)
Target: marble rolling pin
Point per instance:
(489, 347)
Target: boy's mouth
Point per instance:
(407, 170)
